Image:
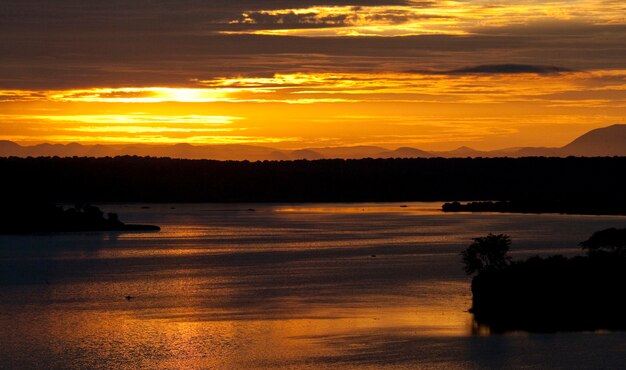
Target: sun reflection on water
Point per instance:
(284, 286)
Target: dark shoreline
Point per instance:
(530, 207)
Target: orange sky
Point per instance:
(429, 74)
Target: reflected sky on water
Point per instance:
(362, 285)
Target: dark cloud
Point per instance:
(508, 69)
(83, 43)
(399, 17)
(31, 17)
(131, 60)
(292, 20)
(554, 28)
(75, 62)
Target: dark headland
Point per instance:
(29, 218)
(552, 294)
(581, 206)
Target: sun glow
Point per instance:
(139, 118)
(141, 95)
(312, 88)
(430, 74)
(323, 109)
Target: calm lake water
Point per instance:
(231, 286)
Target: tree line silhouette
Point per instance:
(583, 181)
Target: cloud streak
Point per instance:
(478, 84)
(499, 69)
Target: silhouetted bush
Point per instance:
(611, 241)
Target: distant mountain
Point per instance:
(345, 152)
(277, 155)
(465, 151)
(404, 153)
(602, 142)
(607, 141)
(99, 150)
(462, 152)
(537, 152)
(9, 148)
(305, 154)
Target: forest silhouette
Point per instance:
(590, 184)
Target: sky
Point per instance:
(430, 74)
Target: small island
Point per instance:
(549, 294)
(28, 218)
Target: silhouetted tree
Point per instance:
(612, 241)
(487, 253)
(113, 218)
(93, 212)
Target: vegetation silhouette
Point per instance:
(31, 218)
(487, 254)
(550, 294)
(606, 242)
(593, 185)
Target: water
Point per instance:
(277, 286)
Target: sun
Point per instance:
(186, 95)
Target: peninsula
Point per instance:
(580, 206)
(53, 218)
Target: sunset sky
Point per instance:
(291, 74)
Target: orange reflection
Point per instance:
(411, 207)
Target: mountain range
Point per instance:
(607, 141)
